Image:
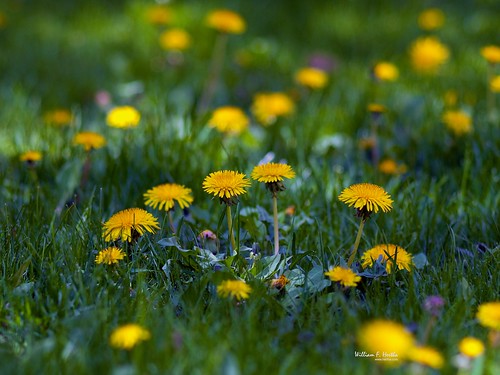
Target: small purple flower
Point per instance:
(433, 305)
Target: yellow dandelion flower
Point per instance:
(163, 196)
(175, 39)
(488, 315)
(450, 98)
(128, 224)
(226, 184)
(389, 253)
(471, 347)
(111, 255)
(226, 21)
(312, 78)
(385, 71)
(30, 156)
(366, 197)
(428, 54)
(345, 276)
(89, 140)
(376, 108)
(491, 53)
(389, 166)
(459, 122)
(495, 84)
(158, 15)
(427, 356)
(431, 19)
(234, 288)
(280, 282)
(267, 107)
(123, 117)
(385, 336)
(58, 117)
(272, 172)
(230, 120)
(129, 335)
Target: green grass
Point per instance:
(58, 308)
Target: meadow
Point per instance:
(249, 187)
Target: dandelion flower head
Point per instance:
(376, 108)
(267, 107)
(428, 54)
(389, 166)
(491, 53)
(345, 276)
(111, 255)
(226, 185)
(126, 225)
(226, 21)
(488, 315)
(312, 78)
(427, 356)
(31, 156)
(471, 347)
(459, 122)
(388, 253)
(234, 288)
(158, 14)
(89, 140)
(164, 196)
(431, 19)
(366, 198)
(495, 84)
(175, 39)
(385, 71)
(128, 336)
(280, 282)
(272, 172)
(123, 117)
(58, 117)
(229, 119)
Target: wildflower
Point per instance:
(280, 282)
(459, 122)
(386, 336)
(175, 39)
(31, 157)
(58, 117)
(163, 196)
(234, 288)
(431, 19)
(427, 356)
(227, 185)
(207, 234)
(230, 120)
(226, 21)
(312, 78)
(123, 117)
(495, 84)
(488, 315)
(129, 224)
(471, 347)
(376, 108)
(433, 305)
(345, 276)
(89, 140)
(111, 255)
(158, 14)
(129, 335)
(389, 166)
(366, 198)
(290, 210)
(367, 143)
(389, 253)
(267, 107)
(428, 54)
(491, 53)
(385, 71)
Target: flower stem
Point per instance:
(230, 228)
(356, 243)
(276, 228)
(171, 221)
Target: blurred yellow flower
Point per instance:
(226, 21)
(471, 347)
(30, 156)
(109, 256)
(128, 336)
(428, 54)
(158, 14)
(229, 119)
(311, 77)
(389, 254)
(234, 288)
(431, 19)
(267, 107)
(58, 117)
(385, 71)
(450, 98)
(345, 276)
(368, 197)
(427, 356)
(123, 117)
(226, 184)
(280, 282)
(129, 224)
(495, 84)
(175, 39)
(89, 140)
(165, 195)
(488, 315)
(389, 166)
(459, 122)
(491, 53)
(376, 108)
